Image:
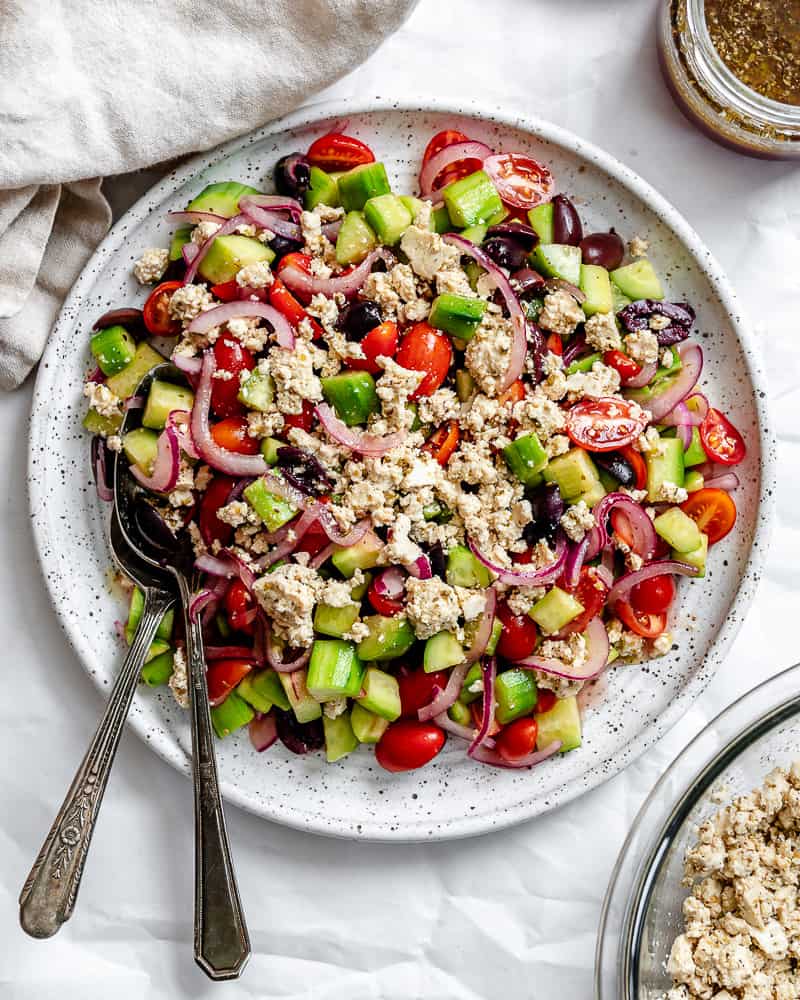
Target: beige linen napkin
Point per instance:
(89, 88)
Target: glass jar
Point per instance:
(712, 96)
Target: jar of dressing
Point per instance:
(733, 67)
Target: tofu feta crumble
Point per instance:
(438, 470)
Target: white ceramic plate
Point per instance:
(452, 797)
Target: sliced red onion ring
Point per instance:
(189, 251)
(576, 556)
(519, 344)
(134, 403)
(560, 285)
(245, 307)
(166, 467)
(199, 601)
(219, 458)
(228, 653)
(347, 284)
(596, 543)
(272, 202)
(642, 378)
(334, 533)
(683, 416)
(192, 366)
(527, 578)
(661, 567)
(180, 420)
(642, 530)
(323, 555)
(684, 382)
(420, 568)
(271, 221)
(299, 527)
(263, 731)
(331, 230)
(193, 218)
(469, 150)
(242, 570)
(484, 630)
(390, 583)
(99, 467)
(489, 670)
(227, 227)
(605, 574)
(444, 721)
(214, 566)
(444, 699)
(373, 445)
(275, 661)
(597, 639)
(494, 759)
(728, 481)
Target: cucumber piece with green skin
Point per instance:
(575, 474)
(541, 221)
(181, 236)
(464, 570)
(352, 395)
(457, 315)
(157, 648)
(381, 694)
(459, 713)
(231, 715)
(440, 220)
(475, 234)
(555, 610)
(124, 383)
(584, 364)
(472, 627)
(678, 530)
(609, 483)
(618, 300)
(322, 190)
(340, 740)
(262, 690)
(694, 454)
(693, 481)
(562, 723)
(358, 591)
(664, 465)
(465, 385)
(363, 555)
(472, 200)
(638, 280)
(515, 692)
(269, 449)
(163, 398)
(135, 609)
(473, 679)
(335, 621)
(141, 447)
(257, 391)
(273, 510)
(388, 217)
(335, 670)
(97, 423)
(388, 638)
(558, 260)
(367, 727)
(221, 198)
(442, 650)
(596, 286)
(305, 706)
(114, 348)
(227, 255)
(358, 185)
(158, 671)
(354, 240)
(414, 205)
(499, 216)
(526, 458)
(223, 627)
(697, 557)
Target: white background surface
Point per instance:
(512, 915)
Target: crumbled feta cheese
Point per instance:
(203, 232)
(179, 680)
(400, 549)
(325, 310)
(577, 520)
(189, 301)
(427, 252)
(114, 442)
(150, 267)
(255, 275)
(601, 381)
(659, 322)
(393, 389)
(288, 595)
(334, 708)
(561, 313)
(295, 381)
(262, 425)
(102, 399)
(642, 346)
(454, 281)
(669, 492)
(441, 405)
(432, 606)
(602, 333)
(489, 351)
(638, 246)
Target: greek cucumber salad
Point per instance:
(443, 459)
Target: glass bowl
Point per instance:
(642, 910)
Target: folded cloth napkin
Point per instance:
(89, 88)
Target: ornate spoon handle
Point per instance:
(48, 896)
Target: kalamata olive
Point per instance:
(438, 562)
(303, 471)
(547, 508)
(152, 527)
(292, 175)
(616, 466)
(517, 230)
(361, 317)
(176, 270)
(604, 249)
(505, 251)
(567, 226)
(299, 737)
(282, 245)
(528, 282)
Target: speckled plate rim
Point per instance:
(603, 769)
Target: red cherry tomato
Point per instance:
(517, 739)
(476, 710)
(519, 179)
(626, 366)
(455, 171)
(240, 607)
(215, 496)
(407, 745)
(605, 424)
(300, 261)
(418, 689)
(519, 634)
(426, 349)
(222, 677)
(156, 310)
(515, 393)
(591, 592)
(314, 540)
(384, 605)
(339, 152)
(545, 700)
(721, 441)
(443, 442)
(231, 433)
(713, 511)
(231, 357)
(227, 291)
(637, 463)
(653, 596)
(554, 344)
(304, 420)
(447, 137)
(281, 298)
(380, 341)
(646, 625)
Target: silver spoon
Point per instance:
(221, 940)
(48, 896)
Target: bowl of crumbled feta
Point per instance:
(475, 462)
(705, 898)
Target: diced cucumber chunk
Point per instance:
(335, 621)
(457, 315)
(340, 740)
(157, 672)
(157, 648)
(464, 570)
(414, 205)
(221, 198)
(227, 255)
(472, 200)
(596, 286)
(388, 638)
(618, 300)
(231, 715)
(562, 723)
(638, 280)
(335, 670)
(305, 706)
(472, 627)
(96, 423)
(515, 693)
(465, 385)
(163, 398)
(269, 449)
(273, 510)
(584, 364)
(257, 391)
(459, 713)
(381, 694)
(388, 217)
(262, 690)
(363, 555)
(358, 592)
(678, 530)
(475, 234)
(440, 220)
(694, 454)
(114, 348)
(124, 383)
(576, 476)
(141, 447)
(442, 650)
(322, 190)
(558, 260)
(367, 727)
(165, 626)
(541, 220)
(473, 679)
(697, 557)
(358, 185)
(555, 610)
(352, 395)
(693, 481)
(664, 465)
(181, 236)
(354, 240)
(526, 458)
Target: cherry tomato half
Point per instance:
(227, 291)
(314, 540)
(426, 349)
(591, 592)
(517, 739)
(605, 424)
(443, 442)
(216, 495)
(545, 700)
(721, 441)
(455, 171)
(519, 634)
(407, 745)
(653, 596)
(555, 344)
(240, 607)
(231, 433)
(222, 677)
(338, 152)
(229, 356)
(447, 137)
(712, 510)
(304, 420)
(155, 311)
(418, 689)
(637, 463)
(380, 341)
(281, 298)
(646, 625)
(515, 393)
(627, 367)
(382, 603)
(519, 179)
